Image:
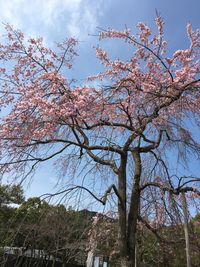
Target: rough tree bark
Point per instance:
(186, 230)
(122, 210)
(128, 226)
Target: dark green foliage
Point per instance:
(11, 194)
(59, 232)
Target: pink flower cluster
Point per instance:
(111, 33)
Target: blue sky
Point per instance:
(56, 19)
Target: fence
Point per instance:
(98, 261)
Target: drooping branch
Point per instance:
(156, 234)
(175, 191)
(148, 226)
(102, 199)
(159, 159)
(31, 158)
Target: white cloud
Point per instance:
(53, 17)
(85, 18)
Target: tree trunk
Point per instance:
(186, 230)
(133, 211)
(122, 211)
(128, 226)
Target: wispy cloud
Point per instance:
(53, 17)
